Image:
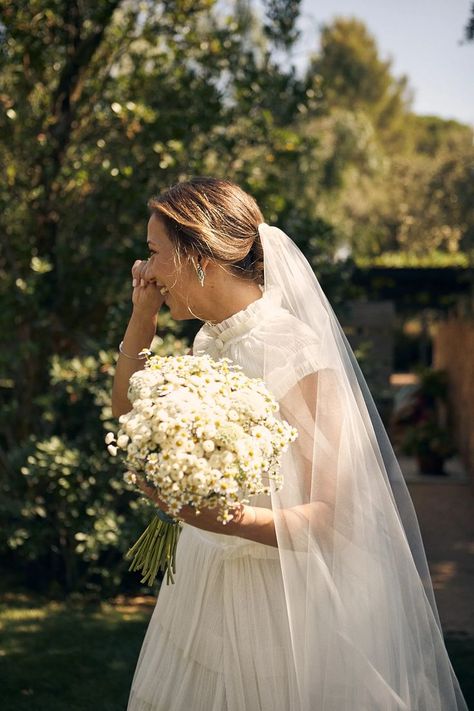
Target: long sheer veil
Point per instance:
(364, 625)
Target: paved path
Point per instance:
(445, 510)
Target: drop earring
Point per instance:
(200, 273)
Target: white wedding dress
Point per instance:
(219, 639)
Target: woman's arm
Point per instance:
(252, 522)
(139, 334)
(147, 301)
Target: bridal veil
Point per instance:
(364, 626)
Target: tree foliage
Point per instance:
(469, 29)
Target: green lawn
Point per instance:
(57, 656)
(68, 657)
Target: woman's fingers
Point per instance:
(136, 267)
(136, 270)
(142, 273)
(206, 520)
(150, 492)
(139, 272)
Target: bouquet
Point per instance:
(202, 434)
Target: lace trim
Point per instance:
(239, 322)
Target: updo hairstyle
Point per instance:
(216, 218)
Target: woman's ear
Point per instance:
(204, 261)
(199, 259)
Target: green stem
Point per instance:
(151, 545)
(155, 550)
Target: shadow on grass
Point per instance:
(81, 657)
(56, 655)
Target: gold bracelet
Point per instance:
(129, 356)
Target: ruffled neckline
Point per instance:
(242, 320)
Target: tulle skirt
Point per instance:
(218, 639)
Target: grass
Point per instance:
(57, 656)
(71, 656)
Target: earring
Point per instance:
(200, 273)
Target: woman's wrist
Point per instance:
(255, 523)
(140, 331)
(144, 316)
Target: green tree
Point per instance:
(469, 29)
(354, 77)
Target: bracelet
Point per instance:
(164, 517)
(129, 356)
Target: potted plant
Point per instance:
(423, 423)
(431, 444)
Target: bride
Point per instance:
(316, 597)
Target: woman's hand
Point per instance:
(146, 296)
(206, 520)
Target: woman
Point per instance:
(317, 596)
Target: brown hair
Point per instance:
(216, 218)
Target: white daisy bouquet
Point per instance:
(203, 434)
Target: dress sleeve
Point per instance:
(292, 351)
(313, 405)
(294, 366)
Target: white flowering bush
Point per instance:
(202, 433)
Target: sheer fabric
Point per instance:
(363, 620)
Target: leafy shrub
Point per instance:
(66, 516)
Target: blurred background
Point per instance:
(352, 124)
